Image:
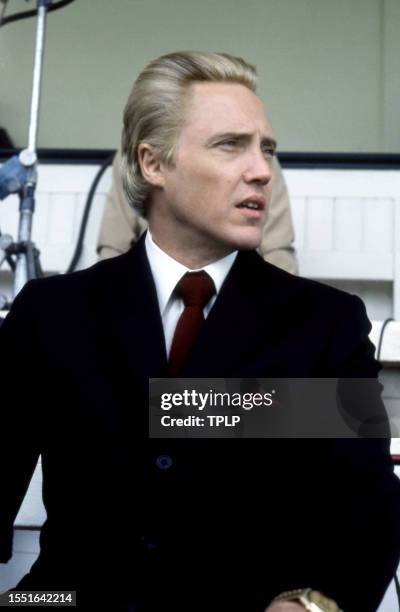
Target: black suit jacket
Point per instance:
(230, 523)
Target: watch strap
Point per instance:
(312, 600)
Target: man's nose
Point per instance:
(259, 169)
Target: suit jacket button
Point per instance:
(149, 543)
(164, 462)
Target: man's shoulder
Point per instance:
(81, 280)
(333, 320)
(80, 290)
(271, 282)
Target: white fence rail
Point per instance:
(347, 225)
(347, 221)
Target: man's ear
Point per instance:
(150, 164)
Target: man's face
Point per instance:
(214, 200)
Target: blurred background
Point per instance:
(328, 70)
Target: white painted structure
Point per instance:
(347, 225)
(347, 221)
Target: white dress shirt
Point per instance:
(167, 272)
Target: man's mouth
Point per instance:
(253, 207)
(252, 203)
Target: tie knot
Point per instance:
(195, 289)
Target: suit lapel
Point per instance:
(136, 330)
(243, 316)
(244, 323)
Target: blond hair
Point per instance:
(155, 109)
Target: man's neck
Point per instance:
(193, 258)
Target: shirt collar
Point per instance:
(167, 272)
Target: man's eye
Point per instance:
(268, 151)
(229, 144)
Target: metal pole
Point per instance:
(3, 10)
(37, 77)
(28, 156)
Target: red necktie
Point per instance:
(196, 289)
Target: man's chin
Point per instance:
(248, 241)
(248, 246)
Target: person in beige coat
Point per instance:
(121, 225)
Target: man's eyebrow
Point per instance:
(267, 140)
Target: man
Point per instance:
(122, 225)
(192, 524)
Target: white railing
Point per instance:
(347, 225)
